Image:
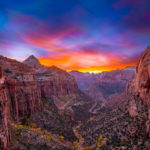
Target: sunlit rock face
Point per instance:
(142, 81)
(138, 90)
(19, 96)
(25, 97)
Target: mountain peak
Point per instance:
(33, 62)
(32, 59)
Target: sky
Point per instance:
(83, 35)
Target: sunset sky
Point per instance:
(84, 35)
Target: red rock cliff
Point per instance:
(139, 90)
(25, 96)
(19, 95)
(22, 88)
(51, 80)
(4, 109)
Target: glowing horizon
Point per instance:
(98, 69)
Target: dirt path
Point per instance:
(93, 106)
(80, 138)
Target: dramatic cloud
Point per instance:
(82, 35)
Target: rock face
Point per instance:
(142, 80)
(4, 99)
(22, 88)
(110, 84)
(23, 92)
(33, 62)
(139, 89)
(51, 80)
(19, 96)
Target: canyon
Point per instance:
(23, 91)
(103, 86)
(49, 108)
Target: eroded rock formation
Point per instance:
(4, 110)
(139, 90)
(22, 88)
(51, 80)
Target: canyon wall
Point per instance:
(22, 90)
(52, 81)
(4, 111)
(139, 91)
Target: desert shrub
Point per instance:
(87, 148)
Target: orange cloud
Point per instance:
(75, 57)
(84, 62)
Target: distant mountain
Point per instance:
(84, 80)
(131, 68)
(110, 83)
(103, 85)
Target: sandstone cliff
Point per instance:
(138, 90)
(19, 96)
(51, 80)
(23, 91)
(23, 87)
(4, 110)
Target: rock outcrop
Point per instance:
(139, 90)
(23, 91)
(51, 80)
(34, 63)
(142, 80)
(4, 109)
(19, 95)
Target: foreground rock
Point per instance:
(140, 90)
(20, 95)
